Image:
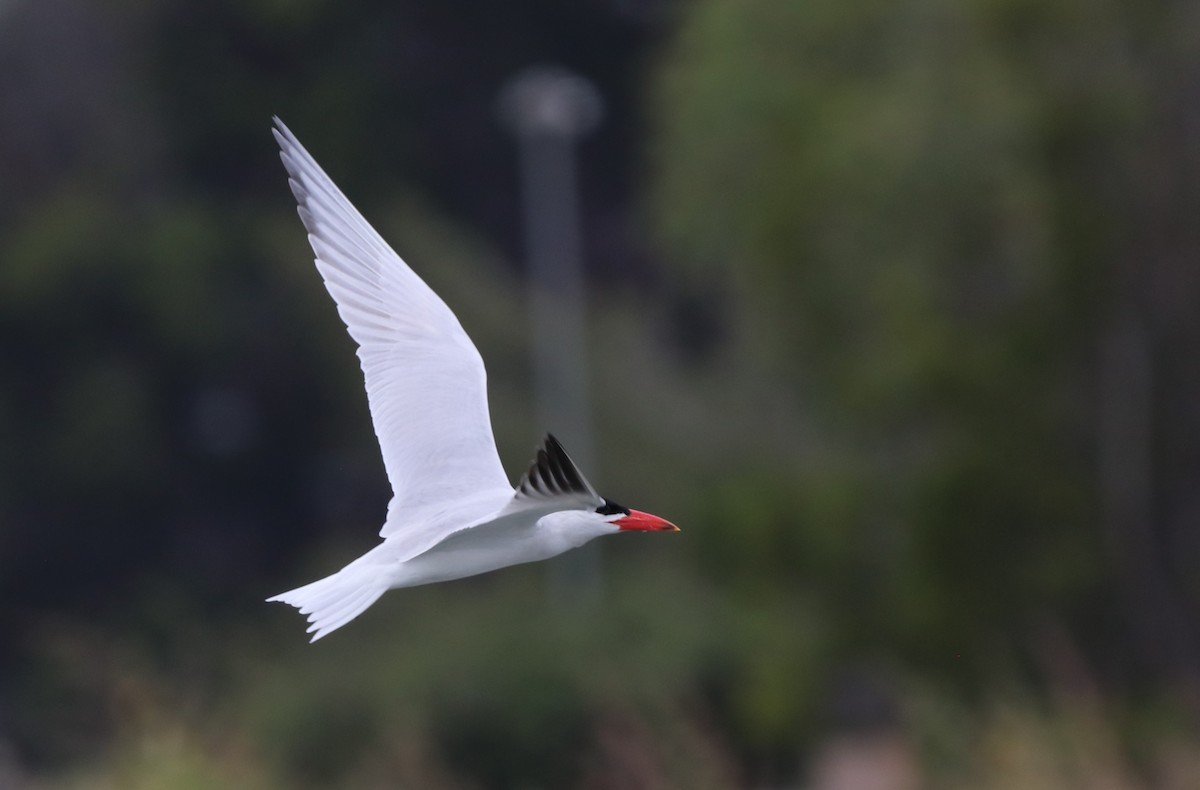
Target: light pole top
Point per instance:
(549, 100)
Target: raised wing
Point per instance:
(425, 380)
(554, 480)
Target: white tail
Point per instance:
(335, 600)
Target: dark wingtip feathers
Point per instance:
(552, 473)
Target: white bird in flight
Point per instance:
(453, 512)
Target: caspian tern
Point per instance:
(453, 512)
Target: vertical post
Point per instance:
(548, 109)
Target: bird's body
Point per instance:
(453, 513)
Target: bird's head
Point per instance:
(626, 520)
(576, 527)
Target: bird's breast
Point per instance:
(487, 547)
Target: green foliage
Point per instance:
(490, 683)
(898, 202)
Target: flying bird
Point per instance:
(453, 511)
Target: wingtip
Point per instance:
(552, 473)
(283, 136)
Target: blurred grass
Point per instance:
(492, 683)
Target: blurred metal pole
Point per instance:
(548, 109)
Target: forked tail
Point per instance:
(335, 600)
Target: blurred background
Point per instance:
(893, 306)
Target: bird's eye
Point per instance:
(610, 508)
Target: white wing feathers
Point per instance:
(425, 380)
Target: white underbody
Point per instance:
(512, 534)
(507, 537)
(505, 542)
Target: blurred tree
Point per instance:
(923, 214)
